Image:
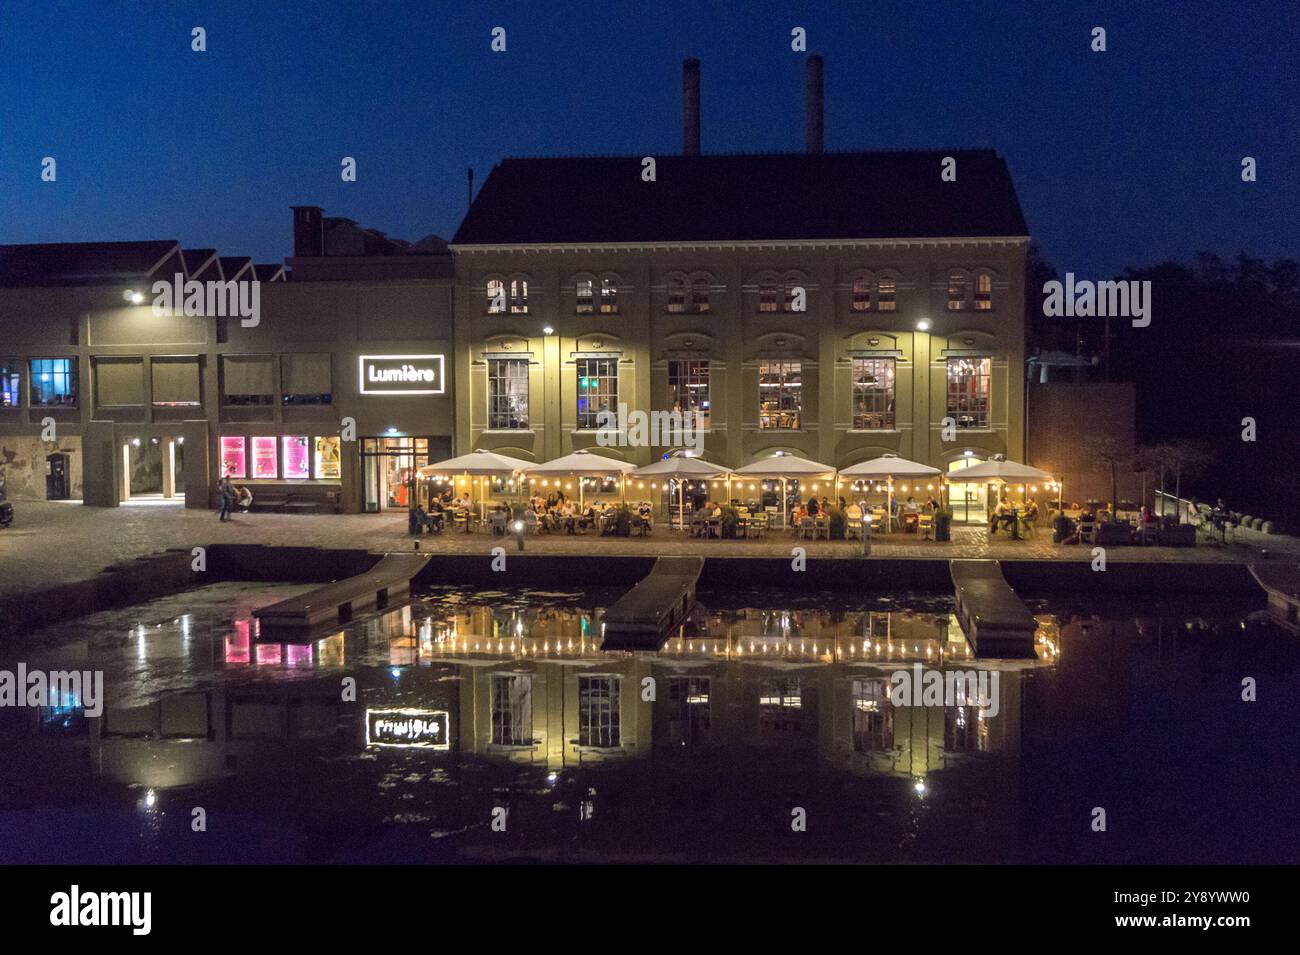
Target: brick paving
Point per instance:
(52, 543)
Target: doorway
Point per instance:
(969, 501)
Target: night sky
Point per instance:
(1124, 157)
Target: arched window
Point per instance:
(586, 297)
(519, 296)
(862, 293)
(768, 293)
(983, 292)
(496, 296)
(886, 295)
(608, 297)
(957, 289)
(676, 294)
(700, 296)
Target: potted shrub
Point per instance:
(730, 520)
(838, 524)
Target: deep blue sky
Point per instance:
(1121, 158)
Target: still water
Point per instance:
(771, 710)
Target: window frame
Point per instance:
(680, 379)
(766, 367)
(71, 373)
(888, 414)
(588, 420)
(606, 718)
(494, 400)
(981, 417)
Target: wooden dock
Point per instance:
(645, 616)
(996, 621)
(1282, 584)
(382, 586)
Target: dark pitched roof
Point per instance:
(270, 272)
(233, 265)
(720, 198)
(201, 263)
(82, 263)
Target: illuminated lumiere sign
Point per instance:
(402, 375)
(428, 728)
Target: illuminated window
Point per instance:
(586, 304)
(886, 291)
(780, 395)
(328, 458)
(518, 296)
(787, 299)
(873, 717)
(957, 288)
(983, 292)
(265, 458)
(297, 457)
(688, 384)
(862, 294)
(689, 716)
(598, 710)
(767, 296)
(969, 385)
(496, 296)
(512, 709)
(234, 462)
(10, 383)
(965, 730)
(508, 394)
(700, 296)
(597, 390)
(780, 702)
(54, 382)
(608, 297)
(873, 394)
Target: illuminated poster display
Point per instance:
(233, 460)
(428, 728)
(297, 460)
(327, 459)
(264, 458)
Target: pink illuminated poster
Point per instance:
(264, 458)
(233, 462)
(297, 459)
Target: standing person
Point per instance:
(227, 495)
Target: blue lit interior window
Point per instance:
(54, 382)
(10, 381)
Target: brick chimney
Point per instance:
(814, 105)
(308, 231)
(691, 107)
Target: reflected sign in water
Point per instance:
(428, 728)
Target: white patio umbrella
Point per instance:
(476, 464)
(1000, 470)
(681, 468)
(888, 467)
(786, 466)
(580, 464)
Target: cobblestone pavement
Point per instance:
(55, 542)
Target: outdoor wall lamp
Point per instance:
(923, 325)
(547, 330)
(132, 296)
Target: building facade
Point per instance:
(124, 403)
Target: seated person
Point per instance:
(1030, 510)
(244, 498)
(1003, 516)
(853, 512)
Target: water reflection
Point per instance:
(509, 697)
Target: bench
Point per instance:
(269, 502)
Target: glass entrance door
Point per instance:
(969, 501)
(388, 468)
